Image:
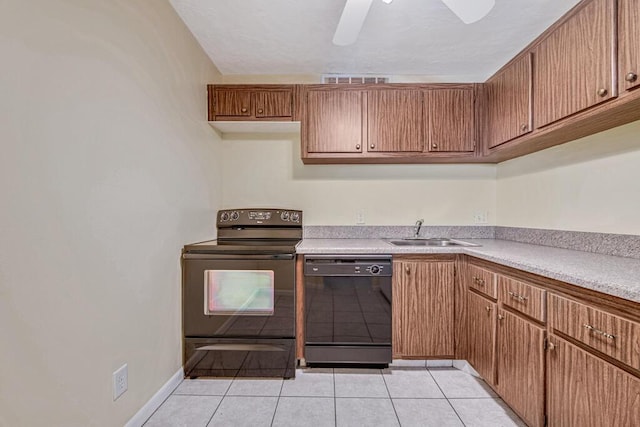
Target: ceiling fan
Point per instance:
(355, 12)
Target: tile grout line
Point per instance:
(214, 411)
(273, 417)
(446, 397)
(390, 399)
(335, 402)
(163, 402)
(220, 403)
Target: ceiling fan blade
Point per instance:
(353, 16)
(470, 11)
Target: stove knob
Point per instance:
(374, 269)
(224, 216)
(235, 215)
(284, 216)
(295, 217)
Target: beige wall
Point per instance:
(267, 170)
(592, 184)
(106, 169)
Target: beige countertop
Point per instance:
(612, 275)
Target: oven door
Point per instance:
(238, 296)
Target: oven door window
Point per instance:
(238, 292)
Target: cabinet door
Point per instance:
(232, 103)
(481, 327)
(394, 120)
(629, 43)
(273, 104)
(450, 120)
(584, 390)
(520, 367)
(423, 319)
(334, 121)
(509, 103)
(575, 65)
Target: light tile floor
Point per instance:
(403, 395)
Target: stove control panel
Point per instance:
(266, 217)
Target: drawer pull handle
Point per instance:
(478, 281)
(599, 332)
(518, 297)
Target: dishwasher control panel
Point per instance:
(348, 265)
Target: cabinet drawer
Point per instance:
(483, 281)
(605, 332)
(522, 297)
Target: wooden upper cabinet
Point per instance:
(449, 120)
(333, 121)
(247, 102)
(277, 103)
(232, 103)
(509, 102)
(394, 120)
(575, 65)
(629, 44)
(423, 308)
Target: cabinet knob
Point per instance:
(552, 346)
(602, 92)
(518, 297)
(260, 110)
(372, 146)
(357, 146)
(478, 281)
(243, 110)
(434, 145)
(631, 77)
(523, 128)
(488, 308)
(407, 269)
(500, 317)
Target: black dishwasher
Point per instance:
(347, 309)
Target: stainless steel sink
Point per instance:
(436, 241)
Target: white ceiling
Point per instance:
(404, 38)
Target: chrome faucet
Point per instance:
(416, 228)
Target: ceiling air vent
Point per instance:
(333, 79)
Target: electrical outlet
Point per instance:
(360, 217)
(120, 381)
(480, 217)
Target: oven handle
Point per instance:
(239, 257)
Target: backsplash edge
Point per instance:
(622, 245)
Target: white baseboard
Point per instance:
(154, 403)
(463, 365)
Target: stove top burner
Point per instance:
(253, 231)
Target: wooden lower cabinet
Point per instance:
(423, 309)
(584, 390)
(481, 329)
(520, 366)
(586, 377)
